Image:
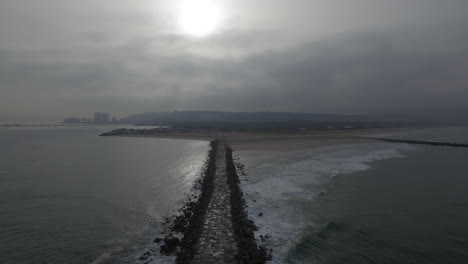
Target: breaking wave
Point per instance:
(277, 183)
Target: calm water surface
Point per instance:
(69, 196)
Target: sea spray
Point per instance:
(275, 185)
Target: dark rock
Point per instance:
(244, 228)
(170, 245)
(195, 211)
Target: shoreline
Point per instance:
(190, 221)
(277, 141)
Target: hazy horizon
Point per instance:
(361, 57)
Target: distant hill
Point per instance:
(253, 120)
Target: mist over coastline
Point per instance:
(233, 131)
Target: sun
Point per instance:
(199, 18)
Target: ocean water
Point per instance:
(363, 203)
(69, 196)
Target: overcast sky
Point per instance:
(71, 58)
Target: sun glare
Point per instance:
(199, 18)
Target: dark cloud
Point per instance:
(360, 59)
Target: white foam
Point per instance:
(277, 178)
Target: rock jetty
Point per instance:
(215, 226)
(217, 243)
(422, 142)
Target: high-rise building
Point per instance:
(101, 117)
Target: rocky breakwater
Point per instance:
(215, 227)
(217, 243)
(422, 142)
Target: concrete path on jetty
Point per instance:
(217, 243)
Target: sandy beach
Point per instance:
(282, 141)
